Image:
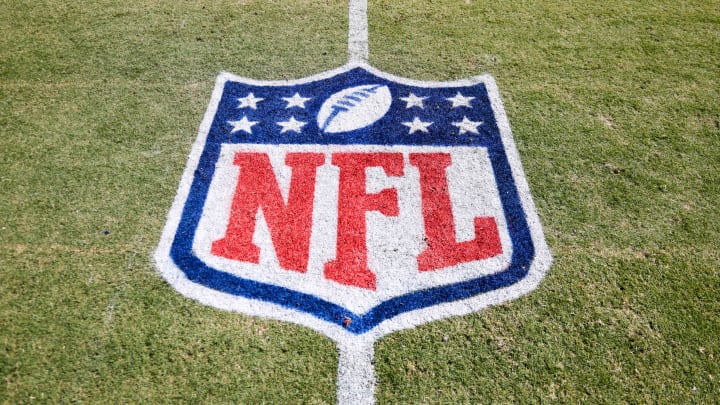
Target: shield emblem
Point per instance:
(353, 202)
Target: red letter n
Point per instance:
(289, 224)
(443, 249)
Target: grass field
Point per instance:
(615, 107)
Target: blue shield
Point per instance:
(414, 207)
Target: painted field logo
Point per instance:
(355, 203)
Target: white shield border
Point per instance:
(176, 277)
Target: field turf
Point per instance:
(614, 105)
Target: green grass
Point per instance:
(615, 107)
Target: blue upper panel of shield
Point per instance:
(437, 108)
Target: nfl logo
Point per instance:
(353, 202)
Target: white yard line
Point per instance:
(356, 374)
(358, 32)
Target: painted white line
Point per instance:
(358, 31)
(356, 374)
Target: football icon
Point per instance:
(354, 108)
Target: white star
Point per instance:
(291, 125)
(243, 125)
(296, 101)
(413, 101)
(468, 126)
(249, 101)
(417, 125)
(460, 101)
